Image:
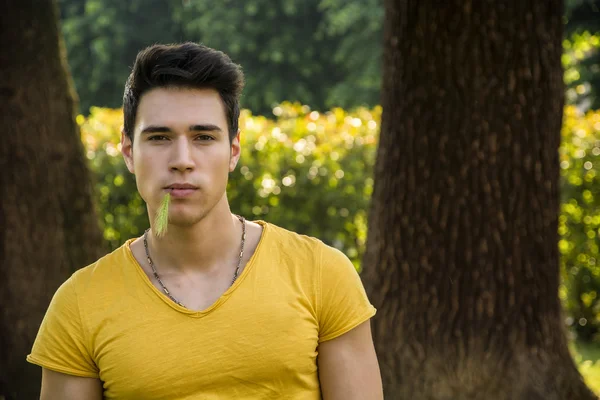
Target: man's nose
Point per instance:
(182, 159)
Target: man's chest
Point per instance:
(255, 346)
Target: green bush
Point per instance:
(121, 210)
(312, 173)
(579, 222)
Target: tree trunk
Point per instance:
(48, 225)
(462, 256)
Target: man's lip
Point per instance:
(185, 186)
(177, 193)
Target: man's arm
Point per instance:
(348, 367)
(56, 385)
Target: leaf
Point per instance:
(162, 216)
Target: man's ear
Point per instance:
(127, 150)
(236, 152)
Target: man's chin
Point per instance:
(184, 221)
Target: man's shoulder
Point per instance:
(106, 269)
(285, 238)
(302, 247)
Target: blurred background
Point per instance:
(311, 120)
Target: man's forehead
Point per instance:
(183, 107)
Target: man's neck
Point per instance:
(204, 247)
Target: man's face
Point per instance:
(181, 146)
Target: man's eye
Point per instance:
(157, 137)
(205, 137)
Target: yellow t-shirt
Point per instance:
(257, 341)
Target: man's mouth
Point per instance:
(181, 186)
(179, 190)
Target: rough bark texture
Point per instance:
(462, 257)
(48, 225)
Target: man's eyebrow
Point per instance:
(192, 128)
(205, 128)
(155, 129)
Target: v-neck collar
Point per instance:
(224, 297)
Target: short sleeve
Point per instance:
(61, 343)
(342, 300)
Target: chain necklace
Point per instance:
(162, 285)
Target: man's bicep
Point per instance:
(348, 367)
(56, 385)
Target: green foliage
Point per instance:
(122, 211)
(582, 15)
(320, 52)
(102, 38)
(580, 60)
(587, 357)
(582, 33)
(277, 44)
(359, 25)
(312, 173)
(579, 223)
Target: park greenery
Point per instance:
(587, 357)
(326, 53)
(582, 23)
(318, 52)
(310, 169)
(579, 221)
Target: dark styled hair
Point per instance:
(185, 65)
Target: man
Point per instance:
(216, 307)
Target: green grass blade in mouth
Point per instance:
(162, 216)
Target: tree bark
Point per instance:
(462, 256)
(48, 225)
